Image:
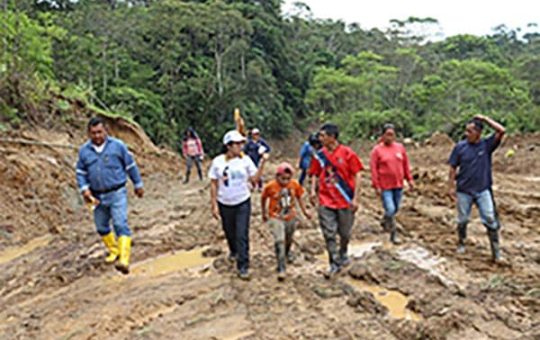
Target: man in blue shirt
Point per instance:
(255, 148)
(102, 170)
(304, 161)
(472, 184)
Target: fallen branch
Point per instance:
(29, 142)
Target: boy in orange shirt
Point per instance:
(281, 194)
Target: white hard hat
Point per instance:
(255, 131)
(233, 136)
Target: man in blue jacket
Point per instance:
(102, 170)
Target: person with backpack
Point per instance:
(278, 201)
(389, 166)
(470, 180)
(337, 168)
(193, 152)
(231, 174)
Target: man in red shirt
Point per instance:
(337, 168)
(389, 168)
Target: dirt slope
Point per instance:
(56, 286)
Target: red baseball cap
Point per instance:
(284, 168)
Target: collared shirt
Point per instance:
(99, 148)
(101, 171)
(474, 163)
(347, 164)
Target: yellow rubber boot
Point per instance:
(112, 247)
(124, 245)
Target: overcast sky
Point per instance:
(455, 16)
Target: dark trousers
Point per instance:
(235, 222)
(336, 222)
(303, 173)
(189, 164)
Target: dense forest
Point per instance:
(171, 64)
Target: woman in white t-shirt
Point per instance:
(233, 175)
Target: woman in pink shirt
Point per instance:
(193, 152)
(389, 168)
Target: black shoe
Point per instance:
(290, 257)
(394, 238)
(243, 274)
(345, 261)
(332, 272)
(282, 274)
(232, 257)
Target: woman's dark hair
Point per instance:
(224, 149)
(190, 132)
(386, 127)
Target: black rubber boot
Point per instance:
(462, 235)
(280, 255)
(386, 223)
(494, 243)
(288, 245)
(393, 231)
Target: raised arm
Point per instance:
(499, 129)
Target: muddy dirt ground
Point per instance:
(54, 284)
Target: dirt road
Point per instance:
(55, 286)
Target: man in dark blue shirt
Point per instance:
(256, 148)
(102, 170)
(472, 183)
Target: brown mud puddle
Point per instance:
(167, 264)
(394, 301)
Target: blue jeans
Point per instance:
(484, 203)
(112, 205)
(235, 222)
(391, 200)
